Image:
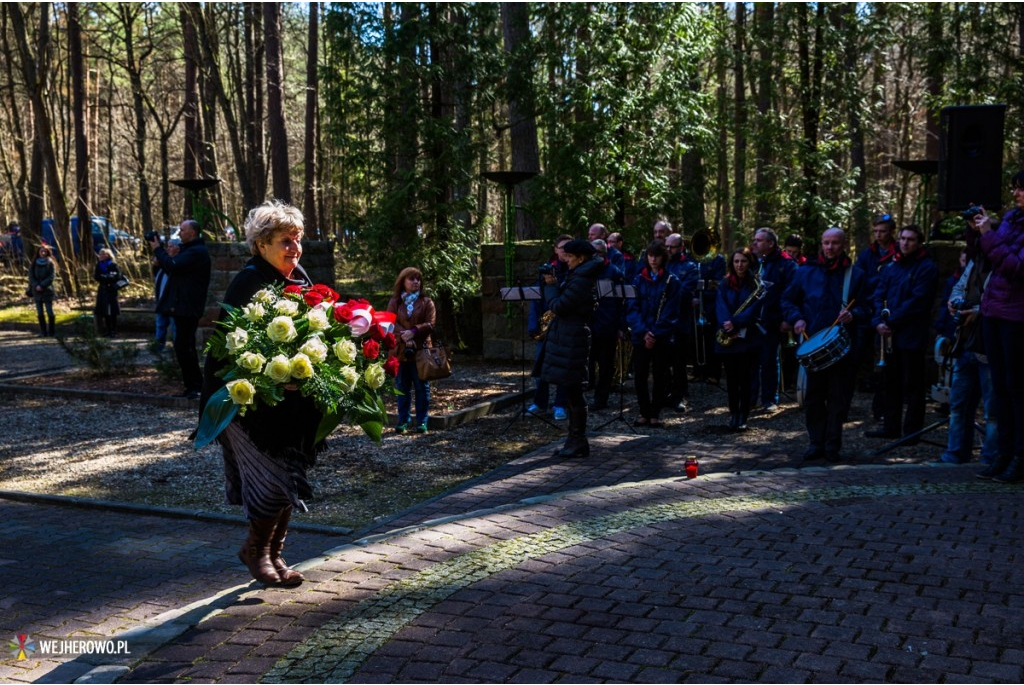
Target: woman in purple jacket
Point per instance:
(1002, 311)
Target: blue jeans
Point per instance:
(972, 383)
(408, 380)
(164, 328)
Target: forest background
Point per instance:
(378, 119)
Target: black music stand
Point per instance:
(523, 294)
(607, 288)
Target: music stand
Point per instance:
(620, 291)
(523, 295)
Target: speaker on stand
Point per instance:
(970, 156)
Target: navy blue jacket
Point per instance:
(688, 273)
(653, 293)
(728, 300)
(816, 295)
(188, 279)
(873, 259)
(776, 270)
(907, 288)
(712, 272)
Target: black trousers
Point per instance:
(602, 366)
(904, 383)
(739, 369)
(185, 350)
(680, 389)
(827, 403)
(645, 361)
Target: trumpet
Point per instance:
(884, 341)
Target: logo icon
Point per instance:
(21, 646)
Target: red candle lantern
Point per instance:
(691, 467)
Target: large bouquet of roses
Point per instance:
(303, 339)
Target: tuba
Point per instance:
(704, 245)
(723, 337)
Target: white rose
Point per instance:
(318, 320)
(254, 312)
(374, 376)
(349, 378)
(289, 307)
(241, 391)
(345, 351)
(282, 329)
(264, 296)
(252, 361)
(279, 369)
(236, 339)
(301, 367)
(315, 349)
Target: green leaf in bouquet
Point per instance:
(327, 425)
(374, 429)
(217, 414)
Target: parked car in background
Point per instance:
(103, 235)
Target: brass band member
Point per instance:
(815, 301)
(902, 306)
(738, 340)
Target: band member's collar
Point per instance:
(884, 253)
(734, 282)
(646, 273)
(842, 261)
(919, 253)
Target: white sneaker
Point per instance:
(771, 408)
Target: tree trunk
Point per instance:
(722, 191)
(80, 105)
(740, 138)
(126, 14)
(193, 134)
(764, 21)
(312, 134)
(254, 131)
(275, 102)
(521, 108)
(934, 74)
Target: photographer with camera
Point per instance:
(551, 272)
(1002, 325)
(188, 274)
(164, 322)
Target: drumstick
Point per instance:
(846, 308)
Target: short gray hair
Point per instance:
(600, 245)
(269, 219)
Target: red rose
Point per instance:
(375, 333)
(390, 341)
(371, 349)
(325, 292)
(293, 290)
(343, 313)
(391, 366)
(312, 298)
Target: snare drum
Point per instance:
(824, 348)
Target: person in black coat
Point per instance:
(267, 451)
(188, 275)
(107, 307)
(563, 360)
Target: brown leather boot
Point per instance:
(255, 553)
(289, 576)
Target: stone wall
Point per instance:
(230, 258)
(503, 325)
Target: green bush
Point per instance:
(102, 355)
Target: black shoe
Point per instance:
(833, 457)
(993, 469)
(881, 433)
(734, 421)
(813, 454)
(1014, 473)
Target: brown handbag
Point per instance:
(433, 363)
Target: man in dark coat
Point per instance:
(819, 295)
(775, 268)
(563, 360)
(188, 280)
(686, 270)
(902, 306)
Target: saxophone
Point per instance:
(545, 321)
(723, 337)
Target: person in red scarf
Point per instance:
(871, 260)
(818, 298)
(902, 306)
(745, 340)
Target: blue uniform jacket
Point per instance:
(609, 317)
(729, 299)
(688, 273)
(712, 273)
(776, 270)
(642, 312)
(873, 259)
(907, 288)
(816, 295)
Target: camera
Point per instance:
(154, 235)
(971, 212)
(546, 270)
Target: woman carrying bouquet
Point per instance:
(268, 450)
(41, 273)
(414, 322)
(107, 308)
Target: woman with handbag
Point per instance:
(107, 308)
(414, 323)
(41, 273)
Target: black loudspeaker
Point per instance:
(971, 157)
